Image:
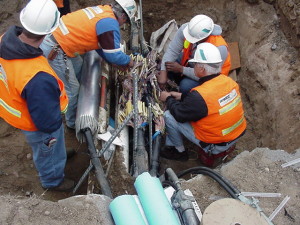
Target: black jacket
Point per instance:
(191, 107)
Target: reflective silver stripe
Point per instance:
(9, 109)
(97, 9)
(3, 77)
(230, 106)
(112, 50)
(3, 80)
(63, 28)
(89, 13)
(230, 129)
(65, 109)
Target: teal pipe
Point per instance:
(125, 211)
(156, 206)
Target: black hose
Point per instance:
(190, 170)
(230, 188)
(154, 160)
(166, 183)
(182, 203)
(97, 164)
(140, 157)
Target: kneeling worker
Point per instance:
(211, 115)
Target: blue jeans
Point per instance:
(49, 161)
(186, 84)
(70, 77)
(175, 130)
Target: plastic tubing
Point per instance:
(154, 201)
(125, 211)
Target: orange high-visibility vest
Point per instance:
(14, 75)
(187, 52)
(76, 33)
(225, 120)
(216, 40)
(59, 3)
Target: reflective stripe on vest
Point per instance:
(76, 34)
(225, 120)
(218, 40)
(9, 109)
(234, 126)
(15, 74)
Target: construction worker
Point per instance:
(201, 28)
(92, 28)
(32, 96)
(211, 115)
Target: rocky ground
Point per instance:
(268, 36)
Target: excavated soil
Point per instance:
(268, 33)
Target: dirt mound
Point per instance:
(256, 171)
(91, 209)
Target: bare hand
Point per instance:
(176, 95)
(163, 95)
(159, 123)
(174, 67)
(125, 67)
(122, 68)
(131, 63)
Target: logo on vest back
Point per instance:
(227, 98)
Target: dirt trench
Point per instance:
(268, 37)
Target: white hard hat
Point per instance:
(198, 28)
(129, 7)
(206, 53)
(40, 17)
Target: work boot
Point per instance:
(170, 152)
(70, 152)
(67, 185)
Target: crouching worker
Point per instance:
(32, 97)
(211, 115)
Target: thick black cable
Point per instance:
(166, 183)
(230, 188)
(190, 170)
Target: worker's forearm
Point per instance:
(162, 77)
(191, 108)
(175, 47)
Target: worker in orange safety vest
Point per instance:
(201, 28)
(211, 115)
(32, 97)
(92, 28)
